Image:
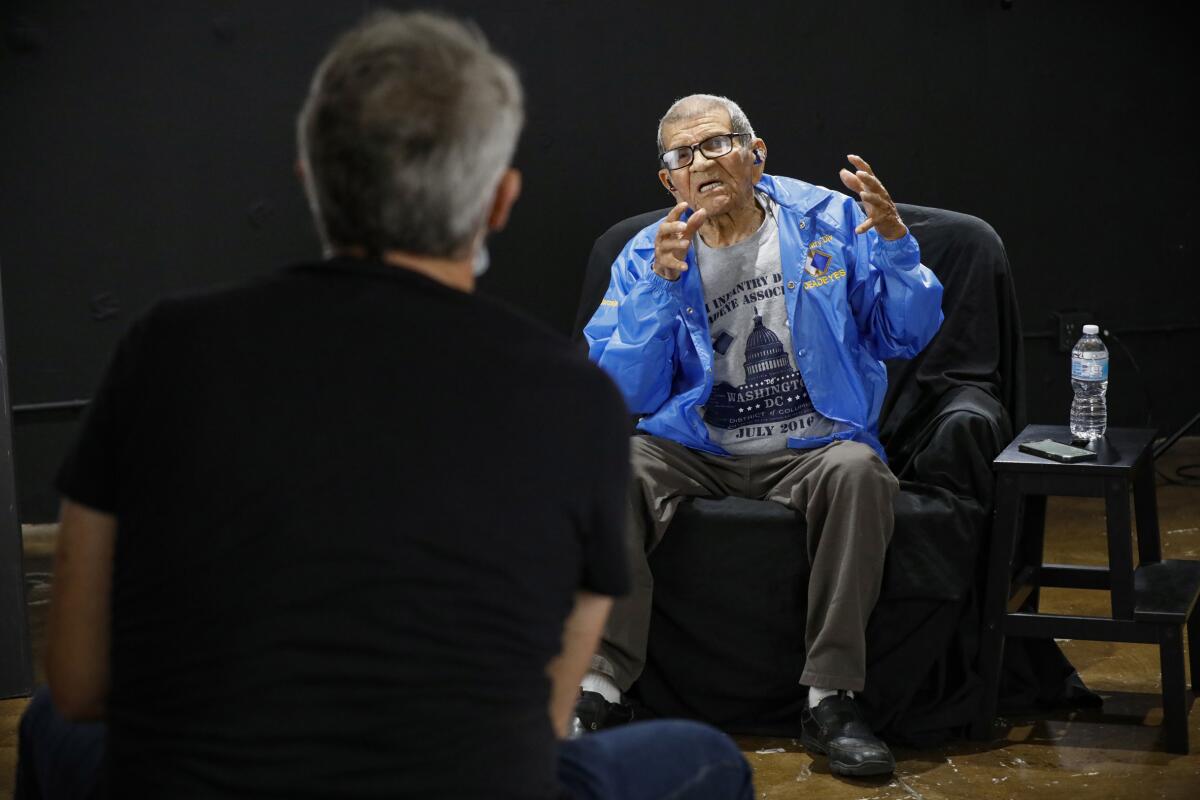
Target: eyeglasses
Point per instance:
(712, 147)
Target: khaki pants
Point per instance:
(845, 493)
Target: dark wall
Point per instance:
(148, 147)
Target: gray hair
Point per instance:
(409, 124)
(693, 105)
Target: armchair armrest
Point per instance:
(955, 447)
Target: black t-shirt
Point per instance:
(353, 506)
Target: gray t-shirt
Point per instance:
(758, 399)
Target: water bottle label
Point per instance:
(1089, 369)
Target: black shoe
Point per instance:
(594, 713)
(835, 728)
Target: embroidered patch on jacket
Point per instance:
(824, 280)
(818, 263)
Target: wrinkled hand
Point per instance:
(673, 239)
(881, 211)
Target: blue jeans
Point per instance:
(57, 759)
(659, 760)
(662, 760)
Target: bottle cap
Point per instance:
(1091, 330)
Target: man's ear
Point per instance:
(507, 192)
(761, 147)
(664, 177)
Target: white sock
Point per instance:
(601, 684)
(815, 695)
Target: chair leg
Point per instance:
(1174, 688)
(995, 602)
(1193, 629)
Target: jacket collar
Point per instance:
(793, 194)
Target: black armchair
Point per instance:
(726, 637)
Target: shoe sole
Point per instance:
(852, 770)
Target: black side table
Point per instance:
(1150, 603)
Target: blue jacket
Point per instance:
(853, 300)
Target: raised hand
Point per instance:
(673, 239)
(881, 211)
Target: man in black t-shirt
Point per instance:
(350, 530)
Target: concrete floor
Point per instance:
(1111, 753)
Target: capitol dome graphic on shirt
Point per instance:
(765, 356)
(773, 391)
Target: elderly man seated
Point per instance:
(747, 329)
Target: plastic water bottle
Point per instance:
(1089, 379)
